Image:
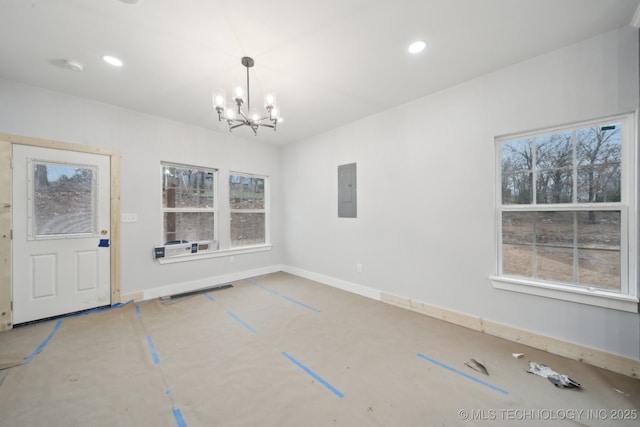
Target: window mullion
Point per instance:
(534, 171)
(576, 257)
(534, 261)
(574, 174)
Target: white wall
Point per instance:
(426, 222)
(144, 141)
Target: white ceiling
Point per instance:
(330, 61)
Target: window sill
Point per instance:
(215, 254)
(596, 297)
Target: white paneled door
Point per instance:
(61, 232)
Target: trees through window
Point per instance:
(562, 206)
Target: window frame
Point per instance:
(221, 206)
(626, 299)
(32, 222)
(213, 210)
(265, 210)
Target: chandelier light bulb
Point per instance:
(229, 113)
(269, 100)
(218, 99)
(276, 114)
(238, 92)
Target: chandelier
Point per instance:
(235, 116)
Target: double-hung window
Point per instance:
(566, 213)
(188, 203)
(248, 204)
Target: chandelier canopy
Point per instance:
(235, 116)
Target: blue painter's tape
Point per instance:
(314, 375)
(242, 322)
(178, 416)
(43, 343)
(301, 304)
(268, 290)
(138, 312)
(449, 368)
(209, 296)
(253, 282)
(104, 243)
(152, 349)
(95, 310)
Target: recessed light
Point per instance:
(74, 65)
(417, 46)
(112, 60)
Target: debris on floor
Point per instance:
(559, 380)
(477, 366)
(622, 392)
(518, 355)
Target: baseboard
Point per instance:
(180, 288)
(333, 282)
(591, 356)
(137, 297)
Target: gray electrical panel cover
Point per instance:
(347, 191)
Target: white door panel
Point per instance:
(61, 230)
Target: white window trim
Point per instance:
(223, 209)
(625, 300)
(216, 254)
(215, 209)
(589, 296)
(266, 210)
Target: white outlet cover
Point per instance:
(129, 217)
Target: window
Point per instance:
(64, 200)
(188, 203)
(248, 206)
(565, 210)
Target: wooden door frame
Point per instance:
(6, 143)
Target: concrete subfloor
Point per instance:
(280, 350)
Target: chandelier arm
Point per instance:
(246, 119)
